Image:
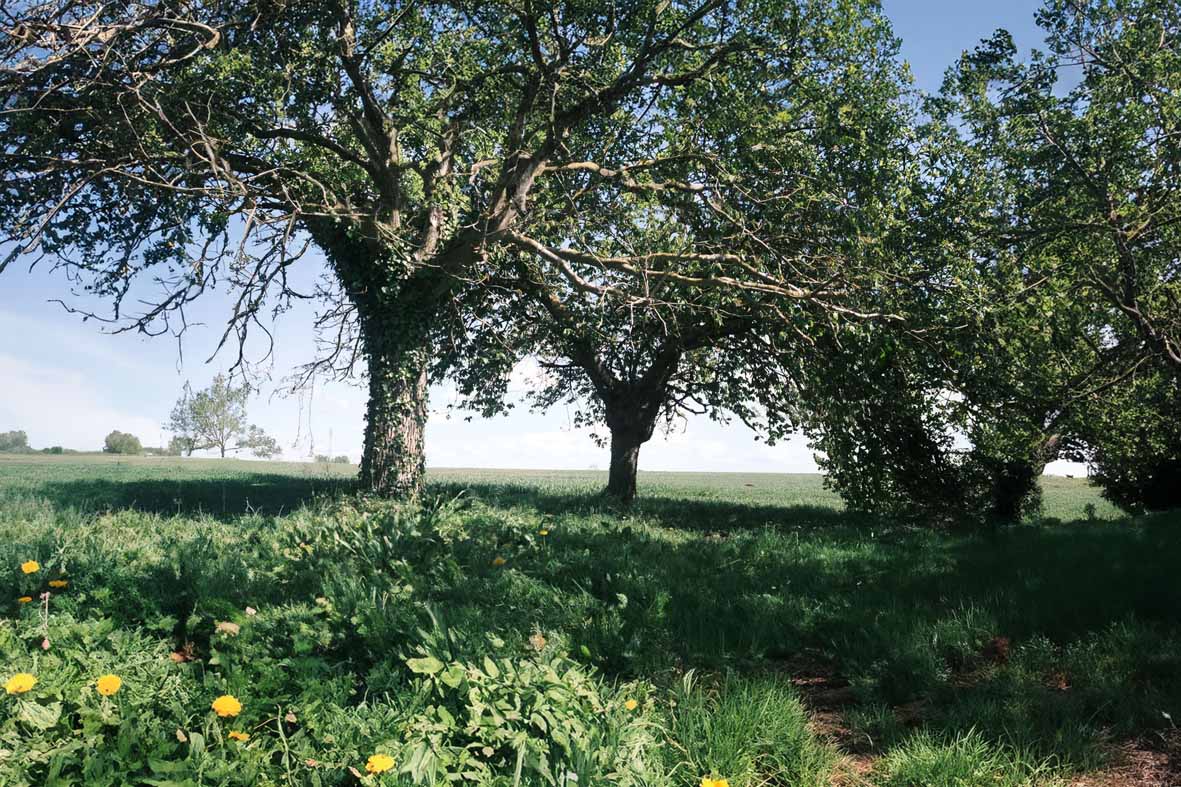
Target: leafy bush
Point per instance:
(542, 718)
(1135, 435)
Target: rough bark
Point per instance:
(631, 417)
(394, 460)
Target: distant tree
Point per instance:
(178, 446)
(15, 442)
(340, 460)
(122, 443)
(216, 418)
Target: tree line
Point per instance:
(742, 210)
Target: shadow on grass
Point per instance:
(711, 516)
(224, 498)
(1090, 613)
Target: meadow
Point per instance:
(738, 630)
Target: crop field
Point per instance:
(268, 626)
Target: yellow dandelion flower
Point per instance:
(499, 561)
(238, 736)
(226, 705)
(58, 583)
(631, 704)
(30, 567)
(25, 599)
(108, 685)
(20, 683)
(379, 763)
(708, 782)
(543, 532)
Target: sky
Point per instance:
(66, 382)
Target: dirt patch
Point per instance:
(826, 696)
(1137, 766)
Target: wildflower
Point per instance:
(543, 532)
(227, 705)
(238, 736)
(379, 763)
(631, 704)
(20, 683)
(108, 685)
(230, 629)
(58, 583)
(30, 567)
(707, 782)
(45, 644)
(537, 640)
(251, 611)
(499, 561)
(25, 599)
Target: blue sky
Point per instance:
(65, 382)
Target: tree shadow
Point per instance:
(223, 498)
(1092, 611)
(696, 515)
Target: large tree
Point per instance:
(198, 145)
(1090, 165)
(1048, 219)
(803, 170)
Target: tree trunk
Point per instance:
(396, 317)
(223, 450)
(625, 461)
(394, 462)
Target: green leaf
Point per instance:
(43, 717)
(453, 676)
(428, 665)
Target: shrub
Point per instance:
(543, 718)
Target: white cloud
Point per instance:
(61, 407)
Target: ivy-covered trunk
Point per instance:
(397, 336)
(394, 462)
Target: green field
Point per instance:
(517, 630)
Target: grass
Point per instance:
(1016, 657)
